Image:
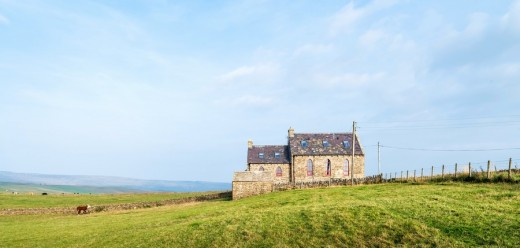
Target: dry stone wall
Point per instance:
(327, 183)
(115, 207)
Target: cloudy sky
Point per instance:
(174, 89)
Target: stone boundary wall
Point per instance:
(115, 207)
(327, 183)
(246, 189)
(252, 176)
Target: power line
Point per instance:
(451, 150)
(446, 125)
(444, 120)
(512, 120)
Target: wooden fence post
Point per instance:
(455, 170)
(489, 164)
(422, 173)
(509, 171)
(431, 177)
(414, 175)
(407, 176)
(469, 169)
(401, 178)
(442, 173)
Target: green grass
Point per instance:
(418, 215)
(9, 201)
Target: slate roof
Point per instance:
(269, 158)
(315, 144)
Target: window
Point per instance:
(346, 144)
(309, 167)
(346, 168)
(327, 173)
(277, 155)
(261, 168)
(326, 143)
(304, 143)
(279, 171)
(261, 155)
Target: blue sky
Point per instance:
(174, 89)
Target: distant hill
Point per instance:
(33, 182)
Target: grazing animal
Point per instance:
(83, 208)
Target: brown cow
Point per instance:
(83, 208)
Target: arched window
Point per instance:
(346, 169)
(261, 168)
(309, 167)
(279, 171)
(327, 173)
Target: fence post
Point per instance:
(489, 164)
(509, 171)
(422, 173)
(407, 176)
(455, 170)
(431, 177)
(469, 169)
(442, 173)
(401, 178)
(414, 175)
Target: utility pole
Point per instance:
(353, 151)
(378, 159)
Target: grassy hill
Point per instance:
(444, 215)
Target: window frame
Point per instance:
(261, 155)
(346, 168)
(328, 168)
(279, 171)
(310, 168)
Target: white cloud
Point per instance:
(247, 100)
(349, 15)
(3, 20)
(346, 18)
(315, 49)
(350, 80)
(478, 23)
(371, 37)
(264, 71)
(511, 20)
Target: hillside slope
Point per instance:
(444, 215)
(34, 182)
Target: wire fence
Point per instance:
(502, 170)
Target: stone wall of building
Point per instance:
(246, 189)
(249, 183)
(271, 168)
(320, 167)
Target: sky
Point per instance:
(173, 90)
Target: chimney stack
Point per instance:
(249, 144)
(291, 132)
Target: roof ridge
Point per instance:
(267, 145)
(323, 133)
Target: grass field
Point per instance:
(9, 201)
(443, 215)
